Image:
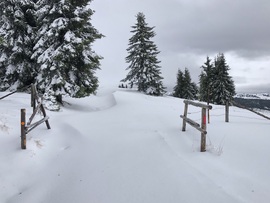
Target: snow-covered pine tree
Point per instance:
(144, 70)
(63, 49)
(205, 79)
(222, 86)
(17, 22)
(178, 88)
(184, 87)
(190, 88)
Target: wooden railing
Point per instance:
(202, 127)
(36, 103)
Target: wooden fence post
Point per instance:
(227, 112)
(33, 97)
(185, 115)
(23, 130)
(203, 126)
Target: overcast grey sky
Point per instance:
(187, 31)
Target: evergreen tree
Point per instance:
(144, 69)
(206, 77)
(63, 49)
(190, 88)
(222, 86)
(185, 88)
(17, 22)
(178, 89)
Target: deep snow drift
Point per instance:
(126, 147)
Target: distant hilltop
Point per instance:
(254, 101)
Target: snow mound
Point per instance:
(92, 103)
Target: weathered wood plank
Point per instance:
(34, 125)
(198, 104)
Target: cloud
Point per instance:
(186, 32)
(211, 26)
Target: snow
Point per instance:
(122, 146)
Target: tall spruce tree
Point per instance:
(17, 30)
(222, 86)
(205, 79)
(144, 70)
(63, 49)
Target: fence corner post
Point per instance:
(23, 130)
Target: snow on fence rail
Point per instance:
(27, 127)
(201, 128)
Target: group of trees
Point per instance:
(215, 83)
(185, 88)
(48, 43)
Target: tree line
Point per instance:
(48, 43)
(215, 86)
(215, 83)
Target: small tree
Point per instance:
(144, 69)
(178, 89)
(185, 88)
(222, 86)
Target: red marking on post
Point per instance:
(204, 119)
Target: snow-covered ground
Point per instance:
(126, 147)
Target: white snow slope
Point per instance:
(126, 147)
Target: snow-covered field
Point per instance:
(126, 147)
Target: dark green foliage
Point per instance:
(68, 63)
(17, 31)
(48, 43)
(144, 69)
(185, 88)
(178, 89)
(223, 88)
(216, 86)
(206, 77)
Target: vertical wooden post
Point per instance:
(227, 112)
(33, 97)
(185, 115)
(44, 114)
(23, 130)
(203, 135)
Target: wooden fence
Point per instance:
(202, 127)
(37, 105)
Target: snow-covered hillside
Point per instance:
(263, 96)
(126, 147)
